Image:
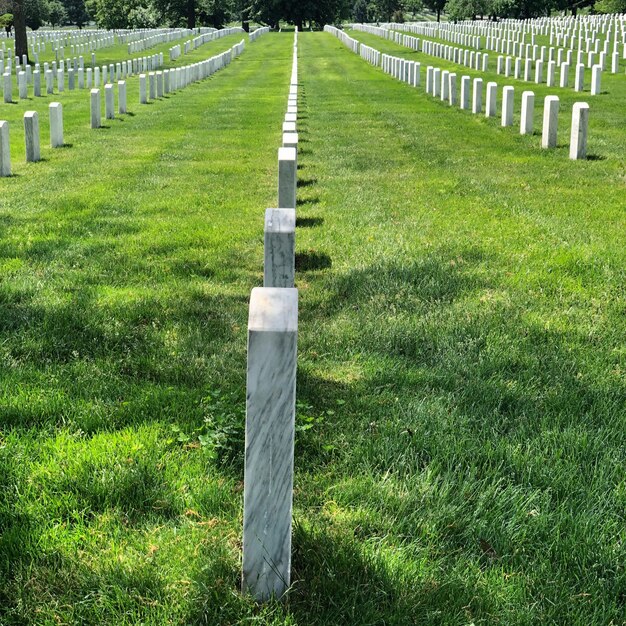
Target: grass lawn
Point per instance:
(461, 385)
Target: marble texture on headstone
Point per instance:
(528, 113)
(596, 78)
(490, 101)
(564, 75)
(452, 89)
(37, 84)
(143, 96)
(96, 113)
(56, 124)
(287, 178)
(507, 106)
(436, 82)
(477, 96)
(579, 78)
(152, 85)
(8, 87)
(121, 97)
(280, 236)
(22, 86)
(5, 149)
(465, 89)
(31, 136)
(109, 102)
(269, 441)
(578, 136)
(443, 91)
(550, 122)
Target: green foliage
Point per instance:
(6, 22)
(143, 17)
(77, 13)
(610, 6)
(37, 12)
(360, 11)
(57, 15)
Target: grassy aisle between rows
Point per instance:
(126, 264)
(76, 109)
(466, 348)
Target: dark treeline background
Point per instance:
(303, 13)
(111, 14)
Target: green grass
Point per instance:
(461, 387)
(76, 108)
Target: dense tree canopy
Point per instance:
(304, 13)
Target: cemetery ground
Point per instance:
(461, 392)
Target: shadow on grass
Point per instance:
(312, 260)
(309, 222)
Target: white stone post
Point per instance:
(579, 83)
(564, 77)
(8, 87)
(477, 96)
(121, 97)
(596, 78)
(280, 242)
(31, 136)
(465, 89)
(96, 113)
(528, 113)
(452, 89)
(5, 149)
(550, 122)
(551, 74)
(578, 137)
(287, 178)
(445, 84)
(109, 102)
(490, 104)
(507, 105)
(37, 84)
(56, 124)
(269, 445)
(436, 81)
(22, 86)
(143, 94)
(152, 84)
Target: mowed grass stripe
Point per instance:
(126, 267)
(464, 350)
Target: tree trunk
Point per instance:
(191, 13)
(438, 15)
(19, 24)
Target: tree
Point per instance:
(6, 22)
(76, 12)
(360, 11)
(57, 15)
(19, 24)
(437, 6)
(611, 6)
(37, 12)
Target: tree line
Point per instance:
(114, 14)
